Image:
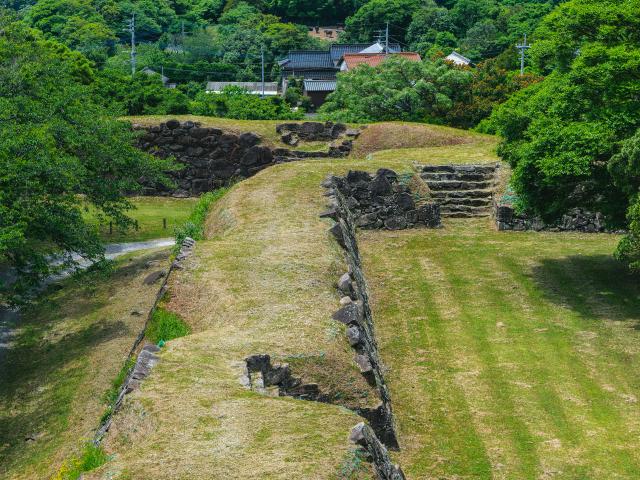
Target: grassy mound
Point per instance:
(511, 355)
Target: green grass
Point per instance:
(165, 326)
(68, 348)
(511, 355)
(92, 457)
(149, 214)
(193, 225)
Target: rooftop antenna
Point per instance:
(523, 47)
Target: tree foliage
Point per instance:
(562, 136)
(58, 149)
(235, 102)
(397, 89)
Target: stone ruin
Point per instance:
(387, 200)
(213, 158)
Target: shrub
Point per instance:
(165, 326)
(92, 457)
(194, 226)
(236, 102)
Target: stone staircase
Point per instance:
(463, 191)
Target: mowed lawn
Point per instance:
(156, 217)
(511, 355)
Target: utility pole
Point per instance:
(182, 33)
(523, 47)
(262, 56)
(132, 30)
(386, 47)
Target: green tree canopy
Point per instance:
(397, 89)
(58, 150)
(562, 136)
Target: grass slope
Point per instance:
(149, 212)
(263, 282)
(68, 349)
(512, 355)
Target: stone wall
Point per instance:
(356, 315)
(382, 201)
(312, 131)
(213, 158)
(576, 220)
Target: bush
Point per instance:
(237, 103)
(92, 457)
(165, 326)
(194, 226)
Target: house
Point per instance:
(255, 88)
(352, 60)
(150, 72)
(317, 90)
(323, 65)
(457, 59)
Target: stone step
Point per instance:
(446, 194)
(472, 202)
(462, 168)
(448, 209)
(464, 214)
(460, 176)
(459, 185)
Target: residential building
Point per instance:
(323, 65)
(457, 59)
(352, 60)
(255, 88)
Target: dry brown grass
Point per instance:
(262, 282)
(397, 136)
(68, 349)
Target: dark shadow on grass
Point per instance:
(44, 369)
(594, 286)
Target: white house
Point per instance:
(458, 59)
(255, 88)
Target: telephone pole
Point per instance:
(132, 30)
(386, 43)
(182, 37)
(262, 56)
(523, 47)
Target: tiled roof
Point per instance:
(352, 60)
(308, 59)
(339, 49)
(320, 85)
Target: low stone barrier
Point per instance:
(382, 201)
(576, 220)
(364, 436)
(147, 358)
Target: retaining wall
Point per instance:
(213, 158)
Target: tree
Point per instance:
(144, 94)
(236, 102)
(59, 149)
(396, 90)
(366, 23)
(77, 24)
(562, 135)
